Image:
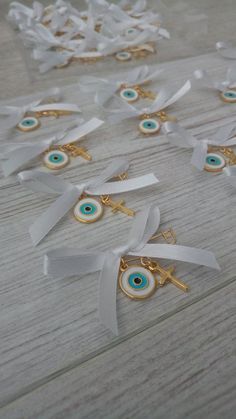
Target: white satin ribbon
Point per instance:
(67, 262)
(69, 194)
(180, 137)
(105, 88)
(230, 172)
(22, 15)
(226, 50)
(205, 80)
(16, 113)
(165, 98)
(16, 155)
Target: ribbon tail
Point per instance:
(41, 227)
(16, 159)
(64, 262)
(230, 172)
(107, 293)
(199, 155)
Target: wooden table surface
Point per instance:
(175, 355)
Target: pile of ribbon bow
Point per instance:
(59, 33)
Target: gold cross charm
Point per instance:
(117, 206)
(77, 151)
(167, 275)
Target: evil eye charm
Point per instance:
(229, 96)
(88, 210)
(56, 159)
(29, 123)
(131, 32)
(137, 282)
(129, 94)
(214, 162)
(123, 56)
(149, 126)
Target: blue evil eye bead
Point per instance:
(29, 123)
(56, 159)
(214, 162)
(229, 96)
(131, 32)
(88, 210)
(137, 282)
(129, 94)
(149, 126)
(123, 56)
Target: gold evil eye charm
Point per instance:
(214, 162)
(56, 159)
(229, 96)
(149, 126)
(137, 282)
(129, 94)
(29, 123)
(123, 56)
(88, 210)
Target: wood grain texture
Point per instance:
(49, 331)
(48, 325)
(184, 366)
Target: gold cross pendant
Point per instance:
(117, 206)
(166, 275)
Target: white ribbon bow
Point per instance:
(226, 50)
(69, 193)
(105, 88)
(67, 262)
(180, 137)
(205, 80)
(230, 172)
(16, 155)
(16, 113)
(165, 98)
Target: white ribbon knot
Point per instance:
(69, 194)
(67, 262)
(165, 98)
(16, 155)
(105, 88)
(180, 137)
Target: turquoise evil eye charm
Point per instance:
(88, 210)
(129, 94)
(131, 32)
(149, 126)
(137, 282)
(229, 96)
(123, 56)
(214, 162)
(29, 123)
(56, 159)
